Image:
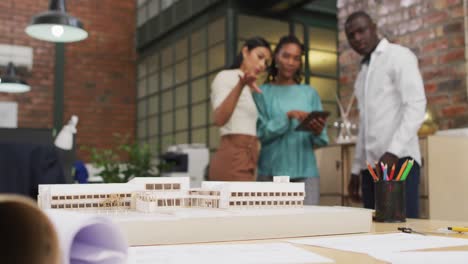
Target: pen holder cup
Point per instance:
(390, 201)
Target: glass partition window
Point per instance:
(323, 58)
(142, 14)
(323, 63)
(181, 117)
(153, 126)
(216, 58)
(153, 8)
(153, 107)
(173, 88)
(270, 29)
(173, 85)
(216, 32)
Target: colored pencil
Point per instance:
(391, 173)
(402, 169)
(369, 167)
(407, 170)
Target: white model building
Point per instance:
(149, 194)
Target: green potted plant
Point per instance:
(138, 161)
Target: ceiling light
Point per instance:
(56, 25)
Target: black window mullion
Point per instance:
(306, 59)
(159, 92)
(189, 86)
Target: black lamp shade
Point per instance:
(10, 83)
(56, 25)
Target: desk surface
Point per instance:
(421, 225)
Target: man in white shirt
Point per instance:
(391, 103)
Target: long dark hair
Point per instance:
(273, 70)
(251, 44)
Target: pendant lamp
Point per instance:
(55, 25)
(10, 83)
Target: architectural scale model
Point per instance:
(150, 194)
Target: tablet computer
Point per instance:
(304, 125)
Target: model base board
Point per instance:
(198, 225)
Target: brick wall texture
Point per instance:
(100, 71)
(435, 31)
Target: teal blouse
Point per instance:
(286, 151)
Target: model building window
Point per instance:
(158, 186)
(129, 195)
(167, 186)
(89, 196)
(149, 186)
(76, 197)
(251, 203)
(67, 206)
(277, 194)
(244, 203)
(272, 194)
(127, 203)
(122, 195)
(81, 205)
(88, 205)
(54, 198)
(176, 186)
(239, 194)
(246, 194)
(96, 196)
(259, 194)
(82, 196)
(263, 203)
(177, 202)
(69, 197)
(233, 194)
(294, 193)
(289, 194)
(60, 206)
(74, 206)
(160, 202)
(238, 203)
(54, 206)
(62, 197)
(301, 194)
(231, 203)
(281, 203)
(269, 202)
(287, 202)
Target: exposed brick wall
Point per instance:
(35, 107)
(99, 71)
(434, 30)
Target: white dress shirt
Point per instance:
(391, 102)
(244, 118)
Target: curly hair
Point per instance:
(273, 70)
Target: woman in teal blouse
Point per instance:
(283, 103)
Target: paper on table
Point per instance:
(374, 244)
(427, 257)
(271, 253)
(86, 238)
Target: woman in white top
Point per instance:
(236, 114)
